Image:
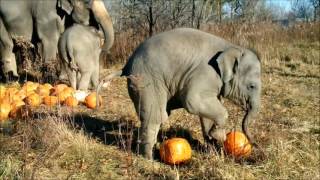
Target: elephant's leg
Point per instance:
(95, 78)
(72, 75)
(151, 108)
(48, 29)
(209, 109)
(78, 78)
(206, 125)
(211, 134)
(63, 71)
(149, 130)
(85, 80)
(15, 23)
(95, 74)
(7, 56)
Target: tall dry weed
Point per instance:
(271, 41)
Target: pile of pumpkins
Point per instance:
(14, 100)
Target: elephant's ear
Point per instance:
(228, 62)
(65, 5)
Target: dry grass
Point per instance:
(287, 127)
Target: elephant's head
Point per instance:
(241, 76)
(80, 11)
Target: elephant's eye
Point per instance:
(251, 86)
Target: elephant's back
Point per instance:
(173, 50)
(81, 37)
(78, 31)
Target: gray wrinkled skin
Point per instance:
(187, 68)
(19, 17)
(79, 48)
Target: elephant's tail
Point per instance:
(63, 50)
(106, 81)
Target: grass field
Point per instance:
(63, 143)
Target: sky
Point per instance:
(286, 4)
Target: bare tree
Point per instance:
(246, 9)
(264, 12)
(143, 14)
(301, 9)
(178, 13)
(203, 12)
(158, 15)
(316, 9)
(219, 7)
(193, 12)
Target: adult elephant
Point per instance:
(23, 18)
(191, 69)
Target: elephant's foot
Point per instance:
(214, 141)
(213, 146)
(11, 77)
(218, 134)
(146, 150)
(10, 68)
(208, 147)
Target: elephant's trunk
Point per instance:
(252, 110)
(102, 17)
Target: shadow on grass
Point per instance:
(125, 134)
(109, 132)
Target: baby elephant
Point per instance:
(79, 48)
(191, 69)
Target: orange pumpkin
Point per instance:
(12, 99)
(67, 92)
(47, 85)
(11, 91)
(91, 100)
(21, 94)
(43, 90)
(34, 100)
(2, 91)
(30, 86)
(27, 84)
(15, 108)
(71, 101)
(58, 88)
(50, 100)
(10, 95)
(237, 145)
(175, 151)
(5, 109)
